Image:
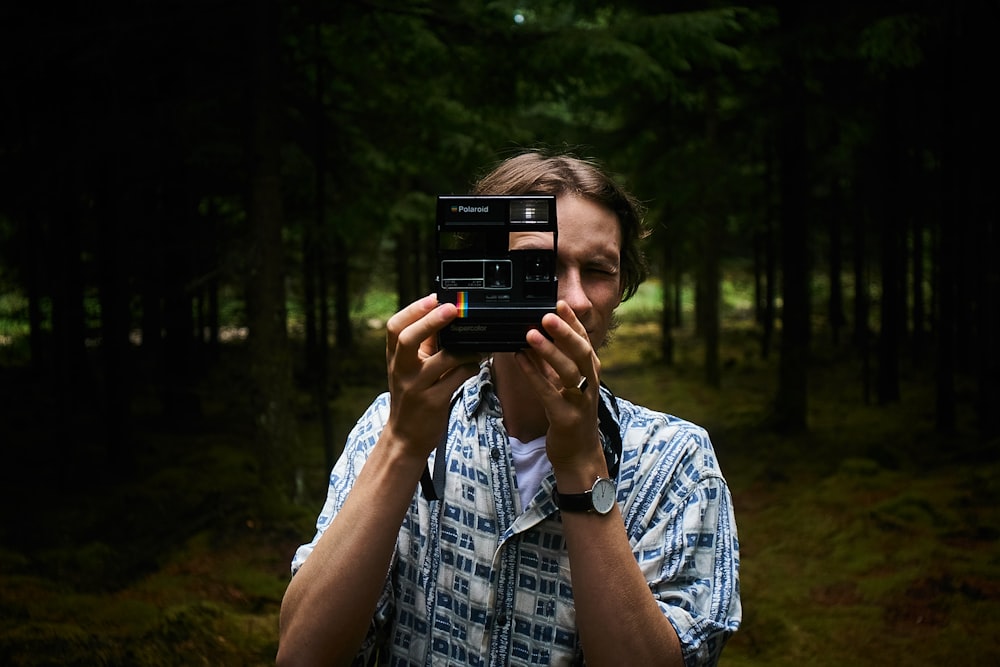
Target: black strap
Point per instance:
(611, 432)
(433, 487)
(611, 437)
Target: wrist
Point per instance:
(577, 474)
(599, 499)
(401, 450)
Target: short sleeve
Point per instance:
(682, 526)
(359, 444)
(698, 588)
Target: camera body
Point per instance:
(496, 261)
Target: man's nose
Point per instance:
(572, 292)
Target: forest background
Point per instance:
(208, 210)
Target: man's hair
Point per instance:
(538, 173)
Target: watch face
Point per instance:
(603, 496)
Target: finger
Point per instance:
(568, 315)
(569, 354)
(405, 317)
(416, 340)
(567, 331)
(546, 357)
(443, 364)
(424, 329)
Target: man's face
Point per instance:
(589, 257)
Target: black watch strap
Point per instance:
(574, 502)
(599, 500)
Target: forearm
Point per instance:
(329, 603)
(615, 610)
(616, 613)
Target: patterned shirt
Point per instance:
(476, 581)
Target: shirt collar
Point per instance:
(478, 389)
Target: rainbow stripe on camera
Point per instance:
(462, 303)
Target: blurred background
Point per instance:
(208, 210)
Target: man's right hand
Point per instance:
(422, 378)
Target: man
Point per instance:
(531, 556)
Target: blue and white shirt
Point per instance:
(477, 581)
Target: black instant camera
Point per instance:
(500, 293)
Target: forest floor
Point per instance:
(868, 540)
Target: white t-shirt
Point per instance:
(531, 465)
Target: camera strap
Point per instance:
(611, 441)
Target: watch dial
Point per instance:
(604, 495)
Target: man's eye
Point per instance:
(604, 270)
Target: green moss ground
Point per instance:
(869, 540)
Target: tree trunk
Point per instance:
(836, 266)
(862, 307)
(181, 404)
(35, 279)
(770, 254)
(678, 285)
(68, 330)
(408, 290)
(310, 261)
(668, 316)
(892, 265)
(771, 294)
(270, 359)
(712, 242)
(342, 294)
(919, 338)
(970, 214)
(699, 290)
(318, 263)
(790, 406)
(945, 413)
(114, 298)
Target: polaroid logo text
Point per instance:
(473, 209)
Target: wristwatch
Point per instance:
(600, 499)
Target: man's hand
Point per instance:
(422, 378)
(554, 368)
